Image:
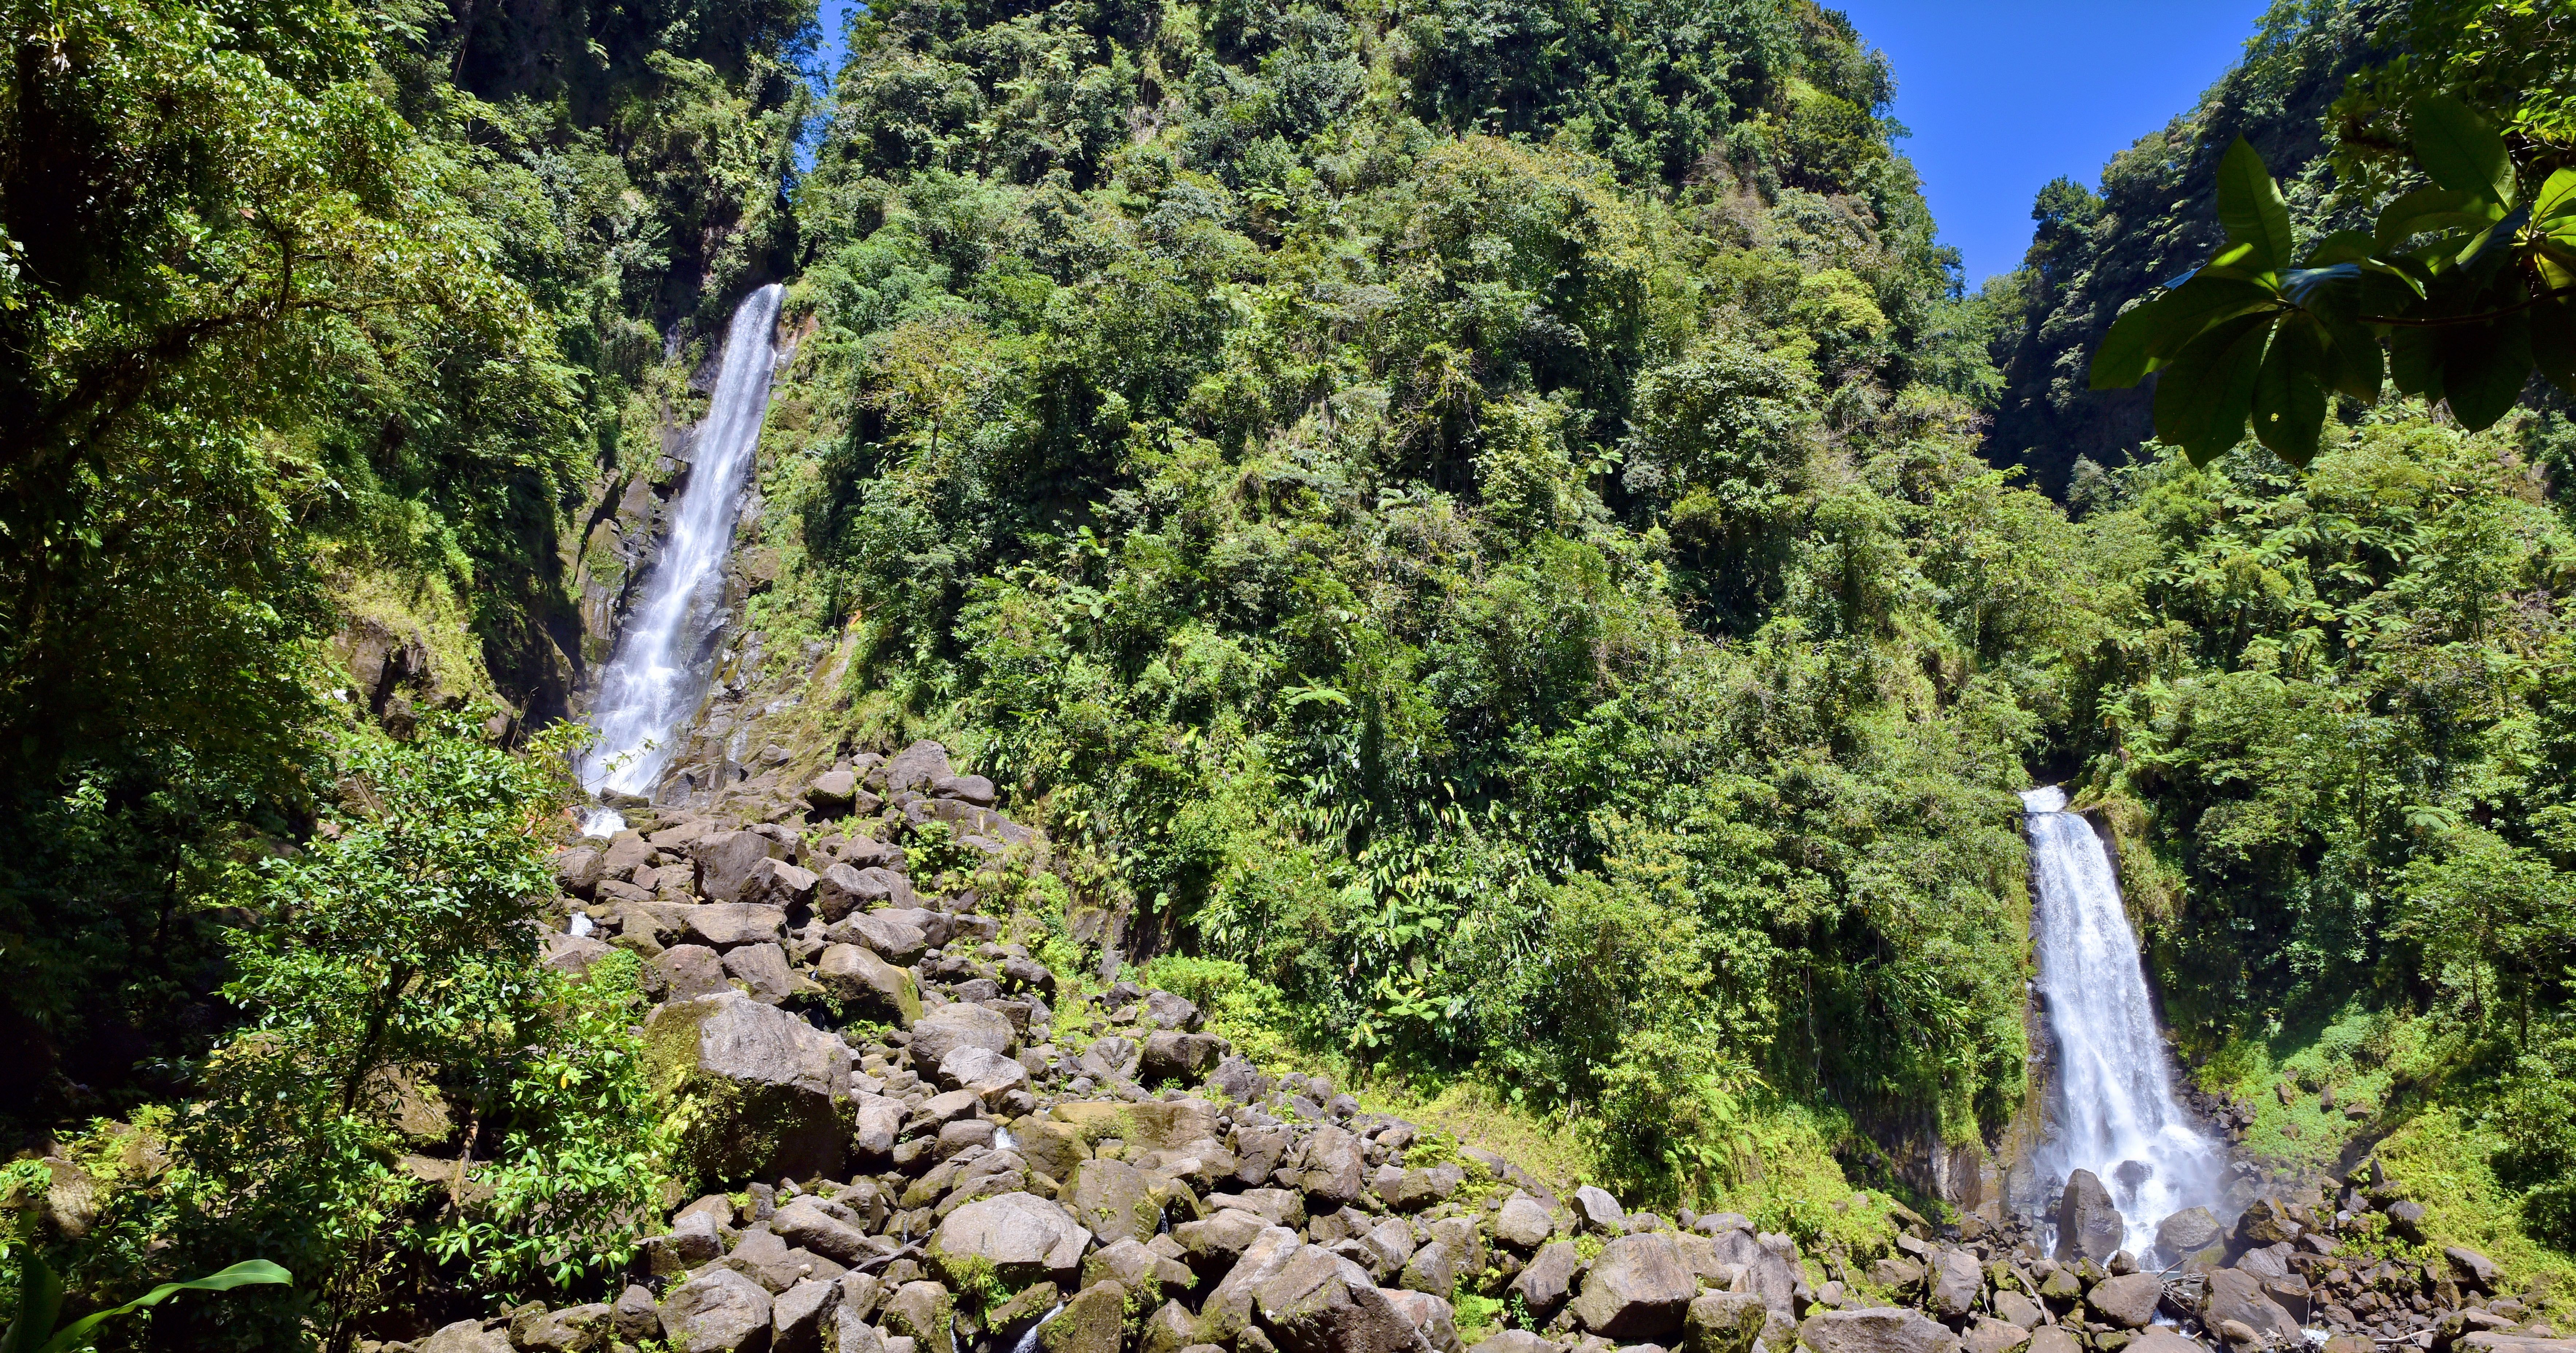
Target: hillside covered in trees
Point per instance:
(1483, 542)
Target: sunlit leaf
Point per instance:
(2459, 149)
(2207, 392)
(2250, 208)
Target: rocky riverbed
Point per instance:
(913, 1138)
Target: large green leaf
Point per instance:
(2289, 406)
(2354, 363)
(2553, 342)
(2150, 334)
(2250, 208)
(2459, 149)
(2431, 209)
(29, 1334)
(2415, 362)
(2557, 196)
(2207, 392)
(2484, 368)
(40, 1299)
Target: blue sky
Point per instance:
(2004, 95)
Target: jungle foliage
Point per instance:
(1524, 591)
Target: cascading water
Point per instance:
(660, 668)
(2114, 1107)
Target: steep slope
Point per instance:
(2151, 217)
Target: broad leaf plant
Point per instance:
(2461, 290)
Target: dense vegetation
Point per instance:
(1476, 522)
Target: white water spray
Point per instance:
(659, 671)
(2114, 1105)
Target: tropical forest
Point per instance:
(1275, 676)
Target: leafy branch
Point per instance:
(2457, 294)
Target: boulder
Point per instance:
(1320, 1302)
(2471, 1269)
(875, 1122)
(925, 1313)
(766, 1093)
(974, 789)
(572, 955)
(636, 1316)
(915, 768)
(1986, 1334)
(725, 925)
(2162, 1339)
(1548, 1278)
(2019, 1309)
(2053, 1339)
(844, 890)
(2187, 1233)
(958, 1025)
(1723, 1322)
(690, 971)
(1169, 1010)
(1140, 1270)
(811, 1224)
(1214, 1242)
(1431, 1317)
(2128, 1301)
(1018, 1238)
(2406, 1218)
(1051, 1148)
(834, 792)
(1637, 1290)
(466, 1336)
(1433, 1268)
(1228, 1310)
(718, 1311)
(1094, 1321)
(2088, 1223)
(2266, 1221)
(986, 1072)
(867, 986)
(2236, 1295)
(884, 933)
(1884, 1329)
(574, 1329)
(1330, 1169)
(1597, 1211)
(761, 971)
(1169, 1056)
(1414, 1190)
(2498, 1341)
(1523, 1223)
(725, 862)
(799, 1316)
(1952, 1282)
(1115, 1200)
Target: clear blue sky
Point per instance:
(2004, 95)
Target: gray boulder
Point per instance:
(2188, 1233)
(1330, 1169)
(1431, 1317)
(2088, 1223)
(867, 986)
(2128, 1301)
(811, 1224)
(1952, 1282)
(1883, 1329)
(726, 861)
(916, 768)
(2237, 1295)
(726, 925)
(1723, 1322)
(1115, 1200)
(986, 1072)
(958, 1025)
(690, 971)
(974, 789)
(1523, 1223)
(884, 933)
(718, 1311)
(766, 1091)
(466, 1336)
(1548, 1279)
(799, 1316)
(637, 1316)
(1596, 1210)
(761, 971)
(1169, 1056)
(1320, 1302)
(572, 955)
(1637, 1290)
(1169, 1010)
(1019, 1238)
(574, 1329)
(1228, 1310)
(2472, 1269)
(844, 890)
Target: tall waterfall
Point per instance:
(2113, 1106)
(662, 661)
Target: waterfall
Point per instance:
(2114, 1110)
(660, 667)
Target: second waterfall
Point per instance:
(658, 672)
(2113, 1110)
